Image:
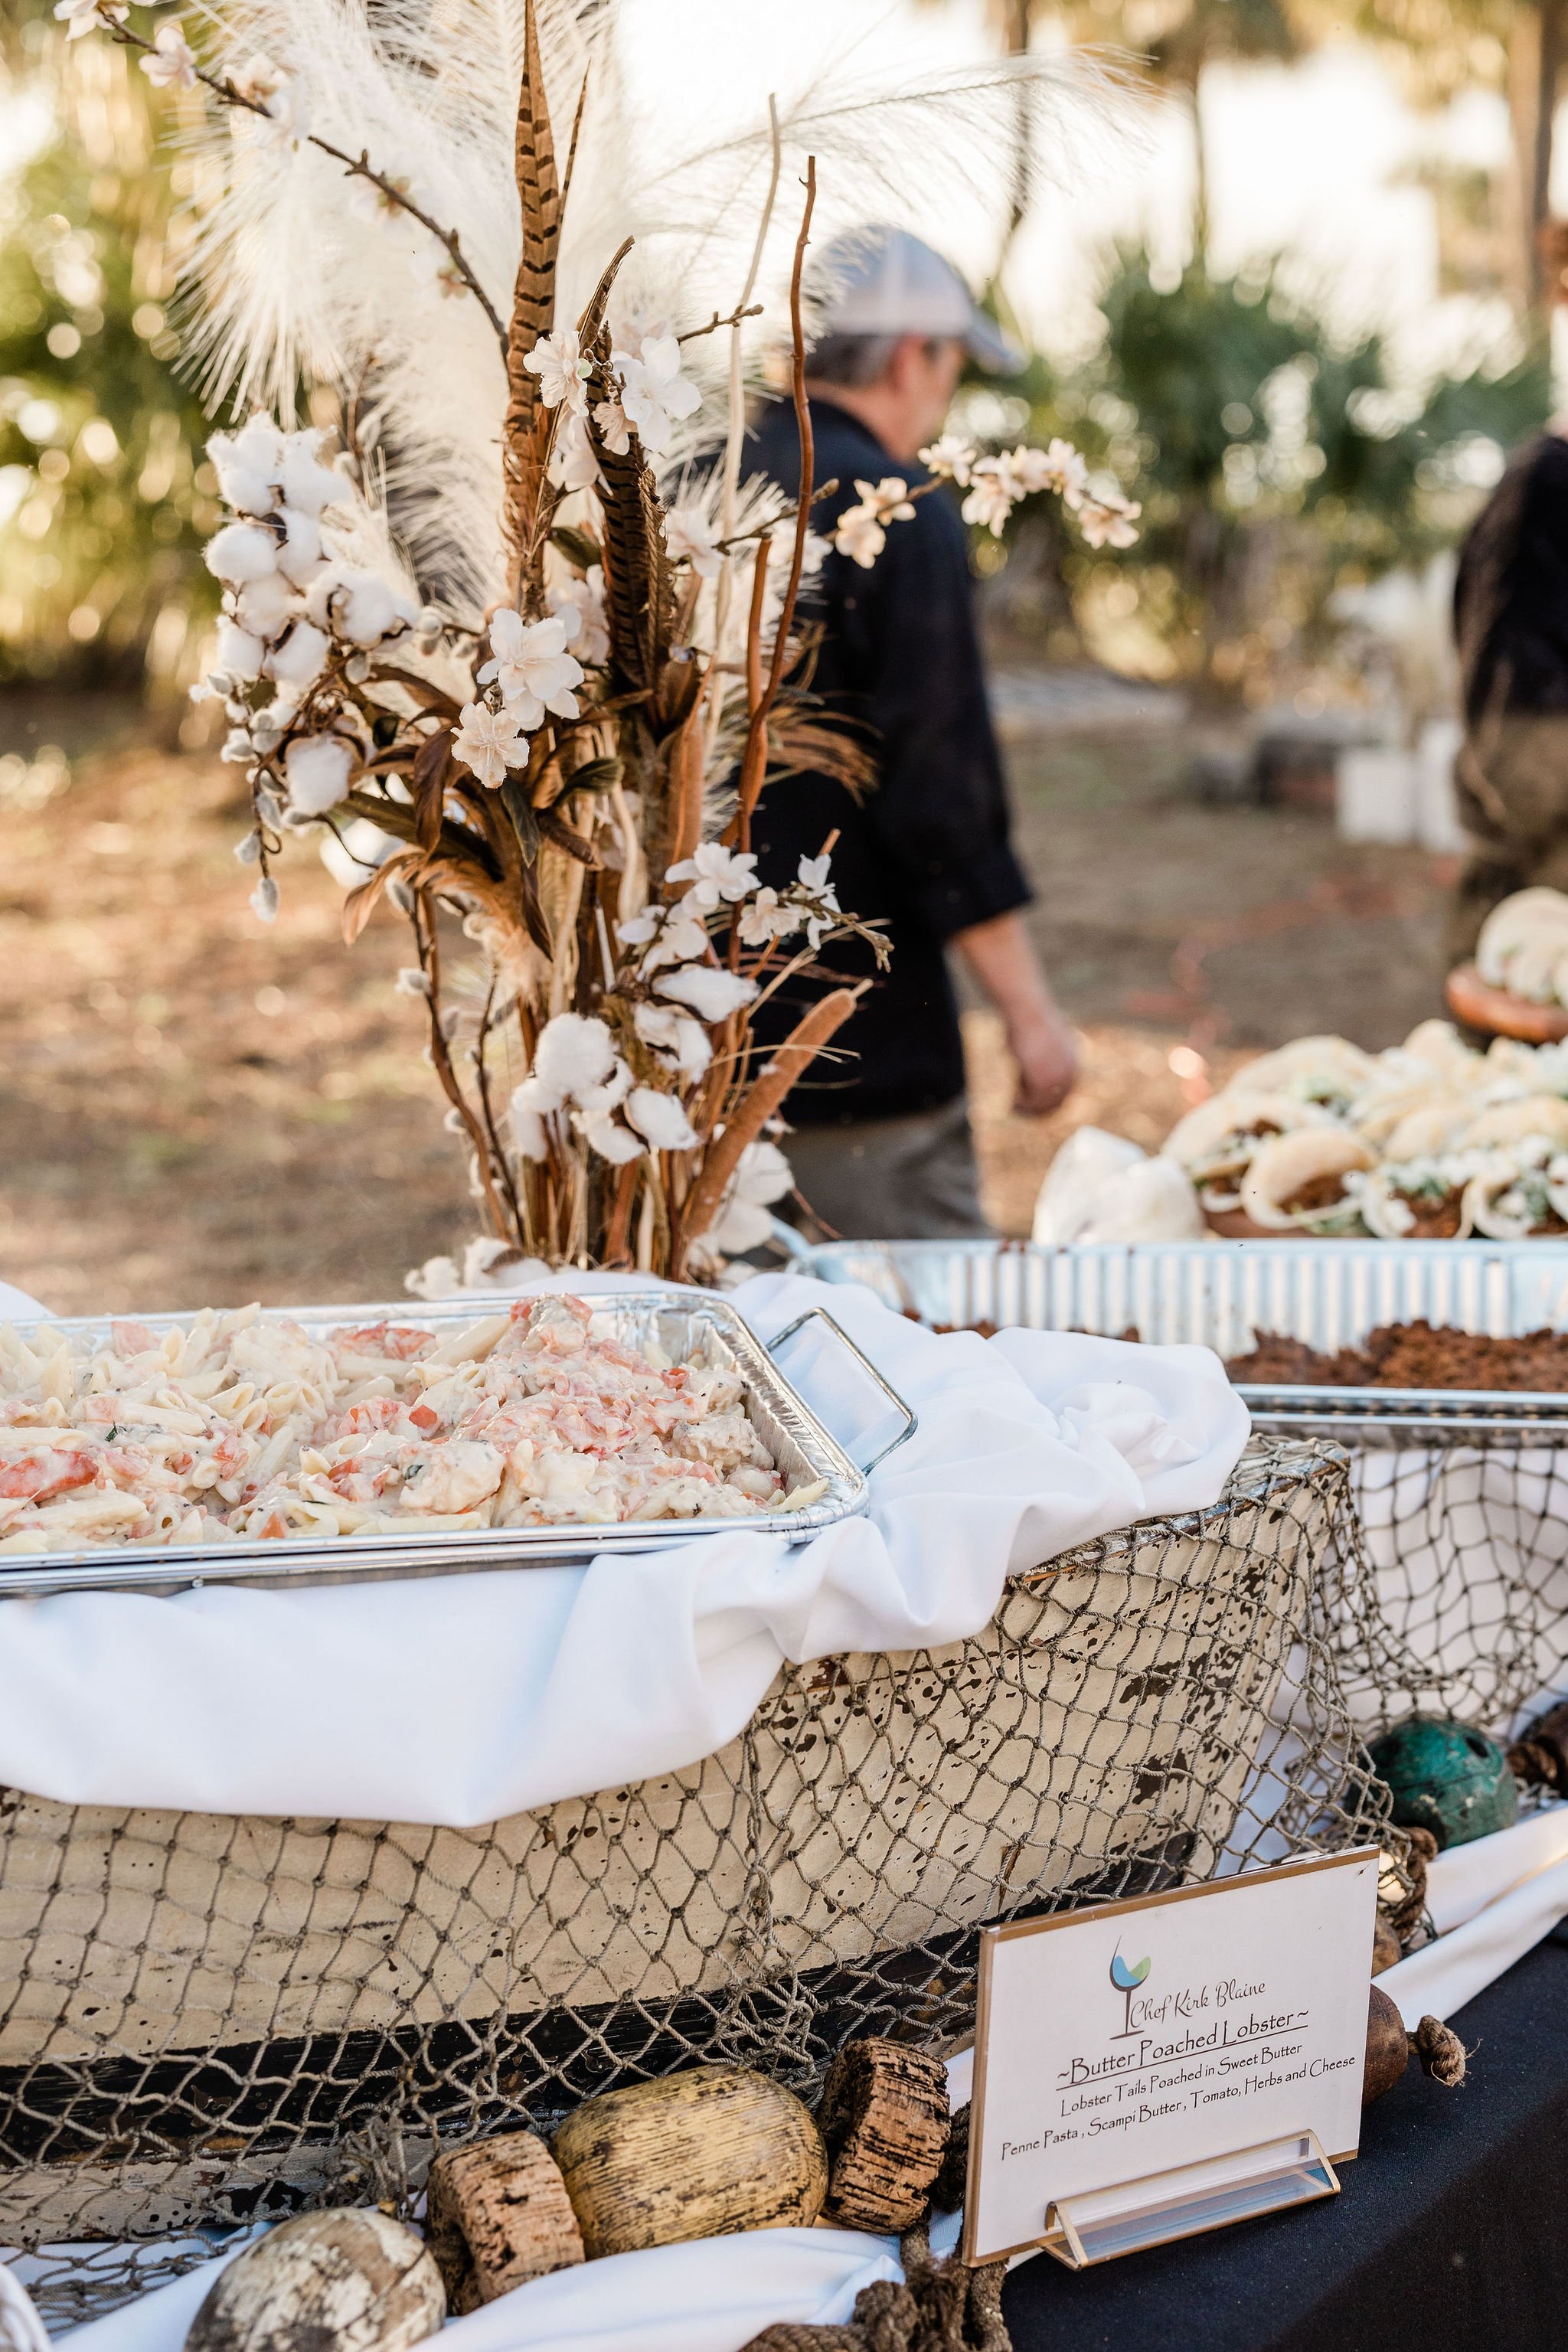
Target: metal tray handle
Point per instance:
(911, 1419)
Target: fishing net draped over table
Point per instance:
(1460, 1605)
(207, 2020)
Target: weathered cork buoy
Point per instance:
(885, 2118)
(695, 2155)
(350, 2279)
(499, 2216)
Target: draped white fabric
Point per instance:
(710, 2296)
(1491, 1902)
(461, 1699)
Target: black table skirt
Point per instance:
(1450, 2234)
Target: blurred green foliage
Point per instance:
(1276, 463)
(102, 509)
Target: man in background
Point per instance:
(1511, 624)
(882, 1146)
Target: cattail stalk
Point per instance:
(794, 1057)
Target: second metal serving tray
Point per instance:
(1222, 1294)
(686, 1324)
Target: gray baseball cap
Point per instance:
(881, 280)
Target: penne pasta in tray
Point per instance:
(173, 1449)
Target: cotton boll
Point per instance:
(239, 652)
(249, 492)
(241, 552)
(713, 994)
(365, 610)
(436, 1278)
(301, 657)
(299, 557)
(597, 1102)
(306, 483)
(318, 768)
(531, 1105)
(660, 1117)
(675, 1033)
(358, 607)
(259, 445)
(616, 1144)
(575, 1052)
(263, 606)
(693, 1046)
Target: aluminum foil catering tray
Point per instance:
(686, 1324)
(1222, 1294)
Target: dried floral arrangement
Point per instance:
(529, 642)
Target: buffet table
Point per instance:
(1447, 2237)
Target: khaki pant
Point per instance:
(887, 1180)
(1511, 784)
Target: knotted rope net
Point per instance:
(1460, 1603)
(208, 2021)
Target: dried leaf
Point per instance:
(533, 914)
(360, 903)
(525, 824)
(556, 829)
(675, 690)
(579, 547)
(804, 742)
(430, 769)
(596, 776)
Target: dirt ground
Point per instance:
(195, 1109)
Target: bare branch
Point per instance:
(747, 310)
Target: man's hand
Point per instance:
(1001, 957)
(1046, 1051)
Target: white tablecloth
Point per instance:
(462, 1699)
(1491, 1901)
(711, 2296)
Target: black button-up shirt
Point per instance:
(928, 848)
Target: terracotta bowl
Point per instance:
(1473, 1000)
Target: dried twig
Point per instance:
(745, 310)
(482, 1077)
(430, 960)
(735, 433)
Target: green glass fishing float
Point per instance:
(1446, 1778)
